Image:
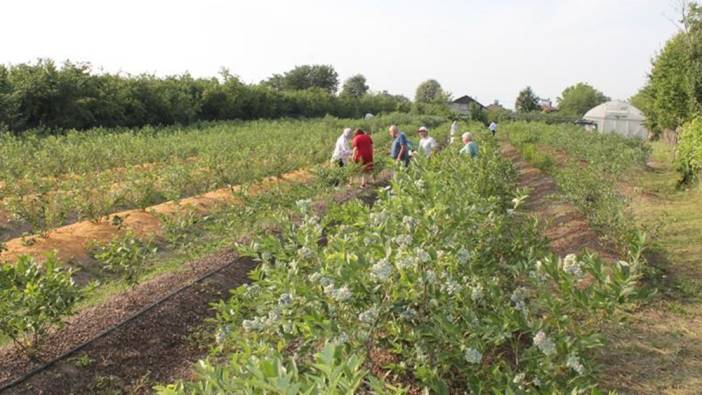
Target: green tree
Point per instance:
(430, 91)
(9, 105)
(355, 86)
(673, 92)
(54, 97)
(306, 77)
(644, 100)
(477, 113)
(527, 101)
(692, 28)
(689, 153)
(669, 83)
(577, 99)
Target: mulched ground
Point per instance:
(157, 346)
(151, 346)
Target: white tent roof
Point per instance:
(615, 109)
(618, 117)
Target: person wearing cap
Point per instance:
(427, 144)
(470, 147)
(342, 149)
(399, 150)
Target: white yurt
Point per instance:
(619, 117)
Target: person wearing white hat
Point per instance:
(427, 144)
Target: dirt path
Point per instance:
(154, 347)
(658, 350)
(564, 225)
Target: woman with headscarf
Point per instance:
(363, 153)
(342, 150)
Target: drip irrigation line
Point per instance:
(113, 328)
(46, 365)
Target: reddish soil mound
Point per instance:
(153, 347)
(564, 225)
(71, 242)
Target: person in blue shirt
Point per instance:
(470, 147)
(399, 149)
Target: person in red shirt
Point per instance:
(363, 153)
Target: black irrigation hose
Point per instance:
(105, 332)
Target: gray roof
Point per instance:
(467, 100)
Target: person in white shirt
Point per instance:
(493, 128)
(454, 131)
(342, 149)
(427, 144)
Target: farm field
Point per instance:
(655, 350)
(242, 157)
(47, 182)
(188, 206)
(190, 250)
(380, 277)
(458, 275)
(186, 233)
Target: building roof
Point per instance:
(615, 109)
(467, 100)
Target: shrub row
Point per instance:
(443, 285)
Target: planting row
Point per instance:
(609, 152)
(587, 166)
(182, 163)
(36, 297)
(443, 285)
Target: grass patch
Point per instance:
(659, 348)
(677, 214)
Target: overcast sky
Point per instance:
(487, 49)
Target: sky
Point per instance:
(487, 49)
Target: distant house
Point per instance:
(546, 105)
(462, 105)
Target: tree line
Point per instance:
(574, 102)
(46, 96)
(672, 95)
